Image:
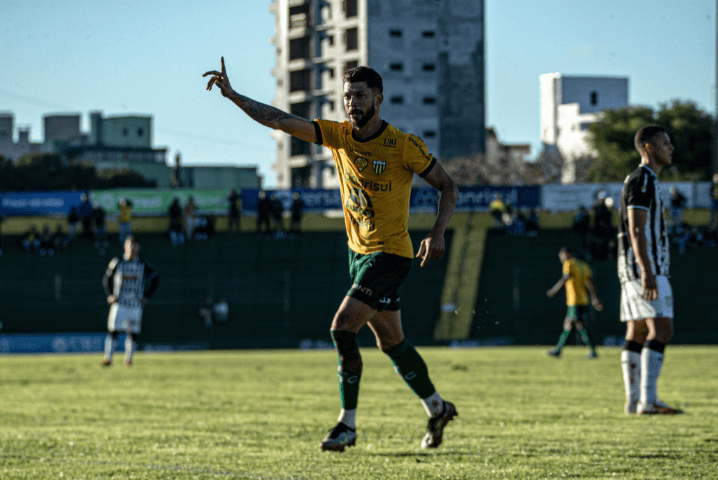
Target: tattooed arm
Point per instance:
(265, 114)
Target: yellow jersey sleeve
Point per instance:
(417, 157)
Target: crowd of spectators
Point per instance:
(513, 221)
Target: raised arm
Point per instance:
(551, 292)
(433, 245)
(259, 112)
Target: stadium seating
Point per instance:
(280, 291)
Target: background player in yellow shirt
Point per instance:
(376, 163)
(577, 280)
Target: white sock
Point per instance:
(129, 346)
(631, 365)
(108, 347)
(349, 418)
(433, 404)
(651, 363)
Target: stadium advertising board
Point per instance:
(49, 343)
(422, 199)
(157, 202)
(38, 203)
(557, 198)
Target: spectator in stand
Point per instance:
(221, 312)
(714, 204)
(602, 227)
(125, 227)
(678, 202)
(295, 226)
(582, 225)
(60, 238)
(47, 244)
(31, 240)
(73, 222)
(277, 214)
(190, 210)
(85, 212)
(532, 224)
(98, 218)
(518, 223)
(235, 212)
(176, 232)
(497, 207)
(691, 238)
(264, 210)
(2, 219)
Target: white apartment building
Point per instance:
(568, 105)
(430, 54)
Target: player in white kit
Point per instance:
(124, 283)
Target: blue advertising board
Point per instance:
(38, 203)
(422, 199)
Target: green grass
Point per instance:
(262, 414)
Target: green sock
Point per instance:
(562, 339)
(586, 337)
(409, 364)
(350, 367)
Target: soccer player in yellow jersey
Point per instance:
(376, 163)
(577, 280)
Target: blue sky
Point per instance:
(147, 57)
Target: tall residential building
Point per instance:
(430, 54)
(569, 104)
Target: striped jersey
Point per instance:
(641, 191)
(125, 279)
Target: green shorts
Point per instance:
(577, 313)
(376, 278)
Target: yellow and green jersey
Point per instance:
(375, 177)
(579, 273)
(125, 213)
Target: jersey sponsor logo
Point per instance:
(390, 142)
(367, 184)
(364, 290)
(420, 147)
(385, 301)
(378, 167)
(361, 163)
(359, 152)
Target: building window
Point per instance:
(299, 48)
(350, 8)
(140, 132)
(352, 39)
(396, 67)
(429, 100)
(429, 134)
(428, 34)
(300, 80)
(428, 67)
(397, 100)
(594, 98)
(395, 33)
(125, 132)
(296, 146)
(299, 16)
(301, 177)
(350, 65)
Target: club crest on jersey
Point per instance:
(379, 167)
(361, 163)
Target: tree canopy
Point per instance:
(47, 171)
(689, 129)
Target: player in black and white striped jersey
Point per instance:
(124, 281)
(643, 270)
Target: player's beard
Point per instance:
(364, 119)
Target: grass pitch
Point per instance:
(261, 415)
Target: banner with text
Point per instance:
(157, 202)
(38, 203)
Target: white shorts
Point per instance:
(124, 319)
(635, 307)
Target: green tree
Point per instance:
(49, 171)
(689, 129)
